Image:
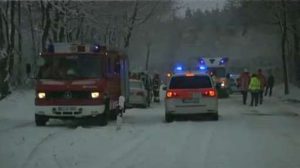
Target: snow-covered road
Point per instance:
(262, 138)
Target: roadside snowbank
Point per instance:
(293, 96)
(18, 105)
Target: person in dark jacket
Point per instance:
(262, 80)
(156, 87)
(270, 84)
(243, 83)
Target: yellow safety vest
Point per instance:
(254, 84)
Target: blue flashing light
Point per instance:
(96, 48)
(179, 68)
(223, 60)
(202, 62)
(202, 67)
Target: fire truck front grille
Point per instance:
(69, 95)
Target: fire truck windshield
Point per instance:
(71, 67)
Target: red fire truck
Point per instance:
(81, 81)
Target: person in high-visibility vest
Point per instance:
(254, 87)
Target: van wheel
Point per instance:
(168, 118)
(40, 120)
(145, 105)
(215, 117)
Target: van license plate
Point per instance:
(190, 100)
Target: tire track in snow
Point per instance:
(26, 124)
(194, 147)
(44, 140)
(144, 149)
(121, 154)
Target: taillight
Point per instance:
(209, 93)
(171, 94)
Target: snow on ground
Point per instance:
(248, 137)
(294, 92)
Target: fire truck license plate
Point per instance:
(67, 108)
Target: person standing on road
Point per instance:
(244, 81)
(270, 84)
(254, 87)
(156, 87)
(262, 80)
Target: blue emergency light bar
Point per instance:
(201, 67)
(202, 62)
(179, 68)
(223, 61)
(98, 48)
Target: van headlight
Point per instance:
(95, 95)
(41, 95)
(223, 84)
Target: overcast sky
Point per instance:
(201, 4)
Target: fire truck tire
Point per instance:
(40, 120)
(102, 119)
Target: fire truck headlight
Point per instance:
(41, 95)
(95, 95)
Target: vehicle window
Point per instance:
(219, 72)
(136, 84)
(74, 67)
(193, 82)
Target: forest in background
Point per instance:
(253, 34)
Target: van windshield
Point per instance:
(218, 71)
(136, 84)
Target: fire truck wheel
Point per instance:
(40, 120)
(102, 119)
